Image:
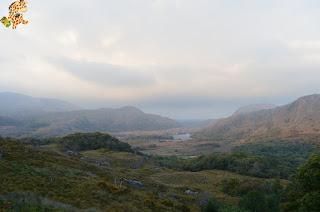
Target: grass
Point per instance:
(209, 181)
(68, 180)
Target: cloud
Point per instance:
(105, 74)
(172, 50)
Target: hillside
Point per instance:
(42, 178)
(103, 120)
(299, 118)
(17, 105)
(97, 172)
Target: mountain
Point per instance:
(22, 115)
(299, 118)
(253, 108)
(17, 105)
(103, 120)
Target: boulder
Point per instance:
(134, 183)
(191, 193)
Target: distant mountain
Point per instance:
(253, 108)
(102, 120)
(17, 105)
(299, 118)
(22, 115)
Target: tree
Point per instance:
(309, 175)
(254, 201)
(304, 192)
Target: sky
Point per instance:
(186, 59)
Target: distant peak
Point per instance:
(313, 97)
(253, 108)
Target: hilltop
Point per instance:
(253, 108)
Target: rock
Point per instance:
(134, 183)
(190, 192)
(72, 153)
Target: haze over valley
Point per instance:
(41, 117)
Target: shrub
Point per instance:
(211, 206)
(254, 201)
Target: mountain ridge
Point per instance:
(22, 115)
(301, 117)
(104, 120)
(20, 105)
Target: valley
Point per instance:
(153, 163)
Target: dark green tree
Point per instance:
(304, 192)
(254, 201)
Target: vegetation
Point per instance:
(241, 163)
(274, 159)
(92, 141)
(30, 202)
(65, 180)
(291, 154)
(297, 150)
(44, 177)
(211, 206)
(304, 192)
(97, 179)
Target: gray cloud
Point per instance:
(105, 74)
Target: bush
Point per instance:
(211, 206)
(231, 208)
(254, 201)
(231, 186)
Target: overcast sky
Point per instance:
(180, 58)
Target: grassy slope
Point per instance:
(83, 184)
(66, 180)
